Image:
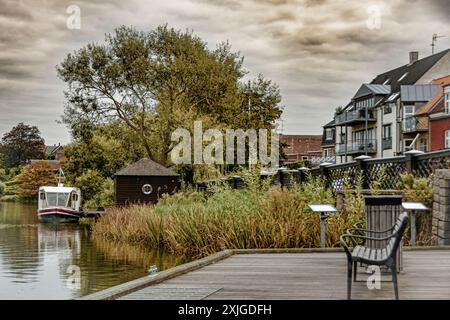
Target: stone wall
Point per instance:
(441, 207)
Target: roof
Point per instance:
(329, 124)
(418, 93)
(147, 167)
(411, 73)
(52, 149)
(368, 89)
(54, 164)
(437, 98)
(58, 189)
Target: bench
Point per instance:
(370, 256)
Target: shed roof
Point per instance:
(418, 93)
(369, 89)
(147, 167)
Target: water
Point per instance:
(62, 261)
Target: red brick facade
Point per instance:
(438, 126)
(302, 147)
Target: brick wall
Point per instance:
(441, 207)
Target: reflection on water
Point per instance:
(37, 260)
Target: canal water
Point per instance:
(62, 261)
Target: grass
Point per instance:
(193, 225)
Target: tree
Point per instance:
(21, 144)
(154, 82)
(34, 176)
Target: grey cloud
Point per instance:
(318, 51)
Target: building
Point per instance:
(377, 122)
(145, 181)
(301, 147)
(439, 116)
(329, 140)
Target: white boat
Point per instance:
(59, 204)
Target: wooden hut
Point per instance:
(144, 182)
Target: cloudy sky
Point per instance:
(317, 51)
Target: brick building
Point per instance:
(301, 147)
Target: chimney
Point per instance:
(413, 57)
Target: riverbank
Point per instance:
(192, 224)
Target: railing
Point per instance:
(386, 143)
(319, 160)
(410, 124)
(355, 115)
(358, 146)
(385, 171)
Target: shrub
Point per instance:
(190, 224)
(96, 191)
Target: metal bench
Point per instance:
(386, 256)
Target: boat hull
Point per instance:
(58, 215)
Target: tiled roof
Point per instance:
(437, 98)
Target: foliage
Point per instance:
(157, 81)
(96, 190)
(34, 176)
(21, 144)
(109, 148)
(419, 190)
(2, 189)
(190, 224)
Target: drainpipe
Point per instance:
(365, 136)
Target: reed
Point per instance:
(193, 225)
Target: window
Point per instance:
(408, 111)
(407, 144)
(329, 134)
(304, 158)
(387, 109)
(387, 133)
(447, 139)
(423, 144)
(447, 100)
(327, 152)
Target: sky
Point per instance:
(319, 52)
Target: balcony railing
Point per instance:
(410, 124)
(387, 143)
(355, 116)
(358, 146)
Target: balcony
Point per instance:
(355, 116)
(386, 143)
(357, 147)
(412, 125)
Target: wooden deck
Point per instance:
(426, 275)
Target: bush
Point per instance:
(34, 176)
(2, 188)
(96, 191)
(190, 224)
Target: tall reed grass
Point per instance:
(191, 224)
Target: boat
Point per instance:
(59, 204)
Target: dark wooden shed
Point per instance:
(144, 182)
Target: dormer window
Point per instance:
(402, 77)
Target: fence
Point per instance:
(385, 170)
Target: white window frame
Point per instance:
(447, 100)
(328, 134)
(447, 139)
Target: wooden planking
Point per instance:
(426, 275)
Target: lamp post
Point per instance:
(322, 209)
(412, 207)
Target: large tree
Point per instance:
(158, 81)
(21, 144)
